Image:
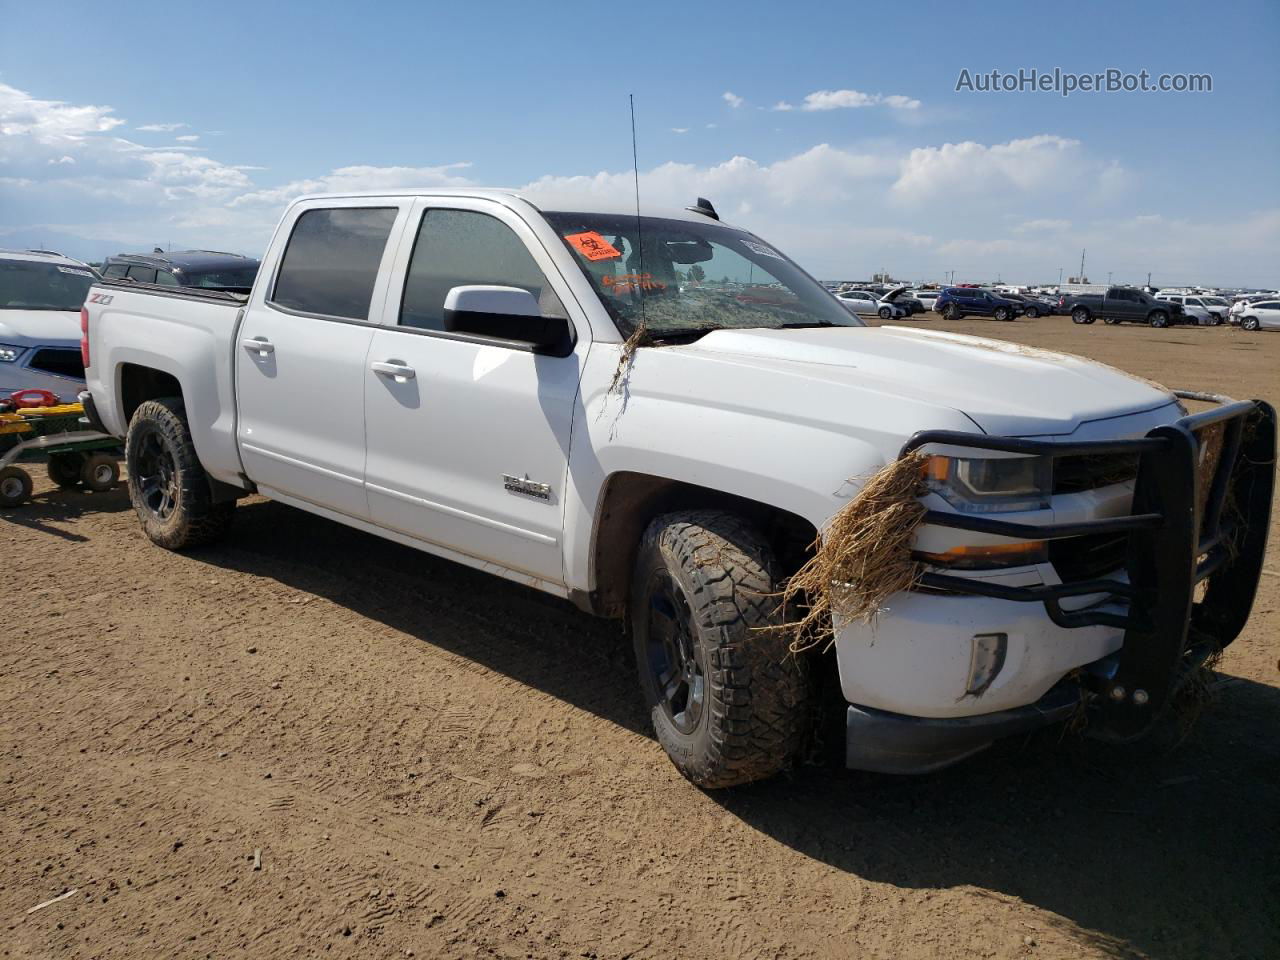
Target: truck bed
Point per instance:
(188, 333)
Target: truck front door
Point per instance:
(468, 436)
(300, 356)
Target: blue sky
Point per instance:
(879, 163)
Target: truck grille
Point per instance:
(60, 363)
(1088, 558)
(1074, 474)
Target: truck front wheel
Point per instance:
(168, 486)
(729, 703)
(1080, 315)
(1158, 318)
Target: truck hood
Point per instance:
(38, 327)
(1004, 388)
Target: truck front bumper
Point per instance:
(1196, 535)
(885, 742)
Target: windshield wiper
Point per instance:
(801, 325)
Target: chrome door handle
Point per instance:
(400, 371)
(260, 345)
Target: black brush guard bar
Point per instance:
(1179, 535)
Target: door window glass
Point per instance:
(142, 274)
(331, 264)
(458, 248)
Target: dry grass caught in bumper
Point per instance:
(861, 558)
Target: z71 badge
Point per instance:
(103, 298)
(530, 488)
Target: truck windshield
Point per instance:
(28, 285)
(688, 278)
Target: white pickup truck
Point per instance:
(656, 417)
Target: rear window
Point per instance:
(230, 277)
(331, 263)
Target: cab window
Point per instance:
(330, 266)
(457, 248)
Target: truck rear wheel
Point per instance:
(168, 486)
(729, 703)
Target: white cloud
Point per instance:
(853, 99)
(782, 106)
(189, 138)
(898, 102)
(50, 122)
(679, 129)
(732, 99)
(1041, 162)
(161, 127)
(64, 159)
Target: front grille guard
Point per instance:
(1180, 534)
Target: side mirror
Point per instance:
(505, 313)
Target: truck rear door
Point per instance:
(468, 436)
(302, 349)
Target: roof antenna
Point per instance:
(637, 282)
(635, 167)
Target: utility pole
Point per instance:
(1148, 278)
(1082, 264)
(1108, 278)
(1059, 276)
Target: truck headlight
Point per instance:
(991, 484)
(9, 353)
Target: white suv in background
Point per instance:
(41, 294)
(1196, 307)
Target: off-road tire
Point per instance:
(100, 472)
(64, 469)
(15, 487)
(1158, 319)
(1249, 323)
(758, 696)
(194, 520)
(1080, 315)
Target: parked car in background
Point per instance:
(210, 269)
(40, 299)
(1241, 304)
(1261, 315)
(964, 301)
(928, 298)
(1194, 307)
(904, 298)
(1218, 306)
(867, 303)
(1119, 304)
(1033, 306)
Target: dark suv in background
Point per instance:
(957, 302)
(211, 269)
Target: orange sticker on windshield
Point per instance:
(593, 246)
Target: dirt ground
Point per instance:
(431, 762)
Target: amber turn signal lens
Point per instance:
(990, 557)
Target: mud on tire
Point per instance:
(705, 580)
(167, 485)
